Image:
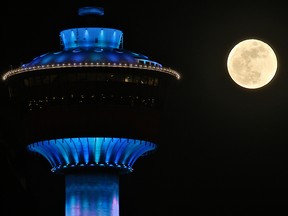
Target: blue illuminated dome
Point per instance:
(91, 45)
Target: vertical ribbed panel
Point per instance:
(92, 194)
(92, 151)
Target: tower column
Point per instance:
(93, 194)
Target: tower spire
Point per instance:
(84, 11)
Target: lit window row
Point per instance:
(36, 104)
(71, 78)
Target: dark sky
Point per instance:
(224, 148)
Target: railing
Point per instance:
(91, 64)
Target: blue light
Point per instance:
(92, 151)
(91, 11)
(97, 151)
(72, 40)
(91, 45)
(91, 37)
(92, 194)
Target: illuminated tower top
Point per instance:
(92, 46)
(115, 91)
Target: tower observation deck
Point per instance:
(91, 109)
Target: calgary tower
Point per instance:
(91, 109)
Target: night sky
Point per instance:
(224, 148)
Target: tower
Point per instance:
(91, 109)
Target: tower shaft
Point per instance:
(92, 194)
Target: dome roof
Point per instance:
(85, 55)
(93, 47)
(90, 45)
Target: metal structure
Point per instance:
(91, 109)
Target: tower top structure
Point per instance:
(92, 109)
(91, 47)
(93, 81)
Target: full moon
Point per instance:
(252, 63)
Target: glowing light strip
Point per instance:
(117, 153)
(92, 64)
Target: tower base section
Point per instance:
(95, 194)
